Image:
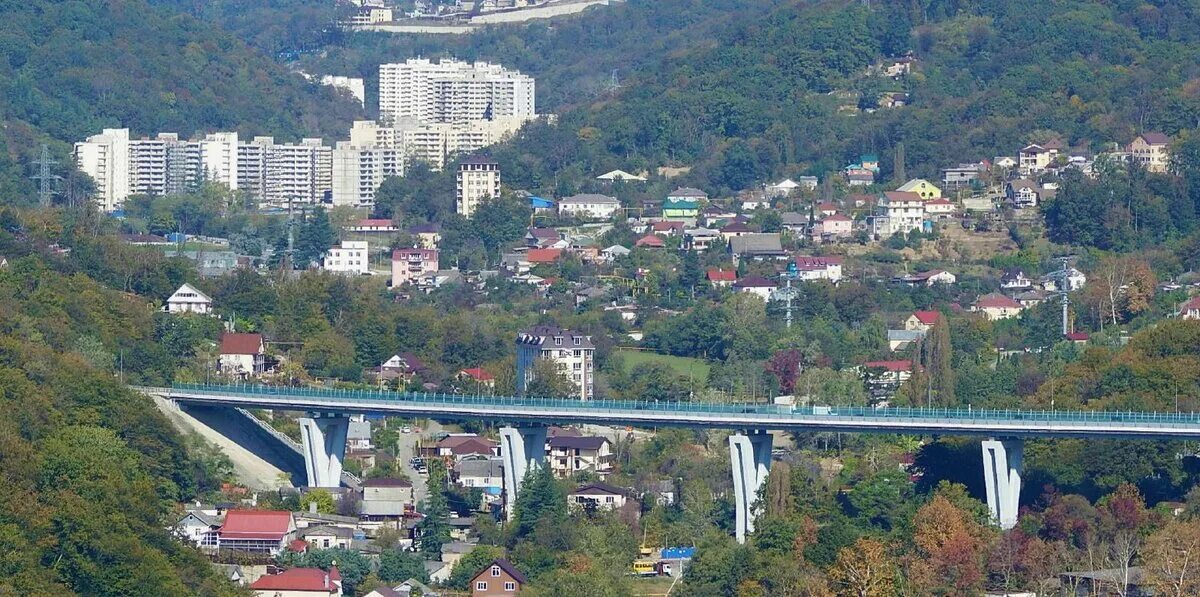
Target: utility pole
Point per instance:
(45, 177)
(1062, 291)
(788, 292)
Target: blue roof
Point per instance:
(678, 553)
(492, 490)
(539, 203)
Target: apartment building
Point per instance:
(105, 158)
(359, 171)
(410, 266)
(478, 181)
(898, 211)
(296, 172)
(1151, 151)
(572, 351)
(452, 91)
(354, 85)
(351, 257)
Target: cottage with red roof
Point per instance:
(479, 376)
(666, 228)
(542, 256)
(300, 582)
(997, 306)
(650, 242)
(1190, 309)
(256, 531)
(457, 446)
(242, 354)
(498, 578)
(818, 268)
(722, 278)
(921, 320)
(939, 208)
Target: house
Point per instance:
(479, 376)
(409, 588)
(386, 499)
(869, 161)
(687, 194)
(896, 67)
(1075, 280)
(818, 268)
(372, 226)
(939, 209)
(598, 496)
(1077, 337)
(1034, 158)
(1190, 309)
(715, 215)
(517, 263)
(573, 352)
(350, 257)
(613, 253)
(680, 208)
(327, 537)
(497, 578)
(199, 527)
(484, 473)
(1004, 162)
(667, 228)
(358, 435)
(1030, 298)
(901, 339)
(962, 175)
(898, 212)
(459, 445)
(242, 354)
(405, 365)
(757, 246)
(921, 320)
(701, 239)
(589, 206)
(542, 256)
(1022, 193)
(650, 242)
(300, 582)
(929, 278)
(922, 187)
(883, 378)
(859, 177)
(825, 210)
(568, 455)
(1151, 151)
(721, 278)
(794, 221)
(756, 285)
(997, 306)
(1015, 279)
(256, 531)
(428, 235)
(833, 227)
(735, 229)
(189, 300)
(782, 188)
(615, 175)
(413, 266)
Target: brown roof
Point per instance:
(996, 301)
(506, 566)
(902, 196)
(241, 343)
(1155, 138)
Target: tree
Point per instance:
(785, 366)
(550, 381)
(540, 499)
(314, 239)
(863, 570)
(899, 173)
(1171, 559)
(397, 565)
(1119, 288)
(434, 531)
(949, 559)
(321, 497)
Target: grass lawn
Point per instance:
(684, 366)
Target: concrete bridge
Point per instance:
(522, 440)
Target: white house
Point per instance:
(612, 253)
(1190, 309)
(756, 285)
(199, 527)
(189, 300)
(939, 208)
(819, 268)
(899, 211)
(600, 496)
(242, 354)
(349, 258)
(589, 205)
(568, 454)
(929, 278)
(997, 306)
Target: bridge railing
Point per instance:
(684, 408)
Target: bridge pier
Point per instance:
(521, 448)
(1002, 461)
(324, 441)
(750, 459)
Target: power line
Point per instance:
(47, 180)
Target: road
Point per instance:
(406, 448)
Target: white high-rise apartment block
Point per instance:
(352, 84)
(452, 91)
(359, 171)
(217, 159)
(105, 158)
(478, 181)
(352, 257)
(573, 352)
(279, 173)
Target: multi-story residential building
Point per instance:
(358, 172)
(921, 187)
(1151, 151)
(478, 180)
(589, 205)
(898, 211)
(354, 85)
(215, 159)
(818, 268)
(962, 175)
(410, 266)
(452, 90)
(573, 353)
(1033, 159)
(297, 173)
(105, 158)
(352, 257)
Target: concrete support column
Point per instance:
(1002, 461)
(750, 459)
(324, 441)
(521, 449)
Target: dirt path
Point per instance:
(251, 471)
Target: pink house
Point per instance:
(410, 266)
(836, 226)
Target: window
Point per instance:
(481, 586)
(576, 339)
(510, 586)
(558, 340)
(608, 499)
(495, 571)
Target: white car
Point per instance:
(406, 430)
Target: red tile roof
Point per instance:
(806, 262)
(478, 374)
(1193, 304)
(1078, 336)
(250, 524)
(666, 226)
(722, 275)
(755, 282)
(926, 317)
(996, 301)
(837, 218)
(241, 343)
(938, 201)
(299, 579)
(543, 255)
(298, 545)
(650, 241)
(902, 196)
(889, 365)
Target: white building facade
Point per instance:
(453, 90)
(351, 257)
(478, 181)
(573, 353)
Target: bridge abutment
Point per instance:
(521, 449)
(324, 441)
(750, 459)
(1002, 463)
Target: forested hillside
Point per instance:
(740, 88)
(68, 69)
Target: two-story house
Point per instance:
(242, 354)
(898, 212)
(189, 300)
(568, 455)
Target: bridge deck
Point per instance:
(510, 409)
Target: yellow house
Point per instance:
(921, 187)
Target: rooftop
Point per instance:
(233, 343)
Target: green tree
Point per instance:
(314, 239)
(470, 565)
(540, 499)
(397, 565)
(434, 531)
